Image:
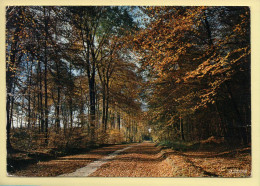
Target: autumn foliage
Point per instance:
(83, 76)
(197, 66)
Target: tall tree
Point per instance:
(190, 55)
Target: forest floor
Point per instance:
(148, 160)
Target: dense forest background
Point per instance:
(78, 77)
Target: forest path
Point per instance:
(141, 160)
(92, 167)
(137, 160)
(145, 160)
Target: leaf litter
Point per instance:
(149, 160)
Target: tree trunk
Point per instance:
(222, 121)
(118, 120)
(8, 125)
(104, 108)
(242, 130)
(71, 112)
(107, 105)
(10, 76)
(57, 118)
(34, 109)
(92, 109)
(29, 96)
(181, 129)
(12, 106)
(41, 119)
(45, 77)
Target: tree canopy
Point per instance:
(78, 76)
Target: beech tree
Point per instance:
(191, 53)
(82, 76)
(60, 60)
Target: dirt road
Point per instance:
(144, 160)
(138, 160)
